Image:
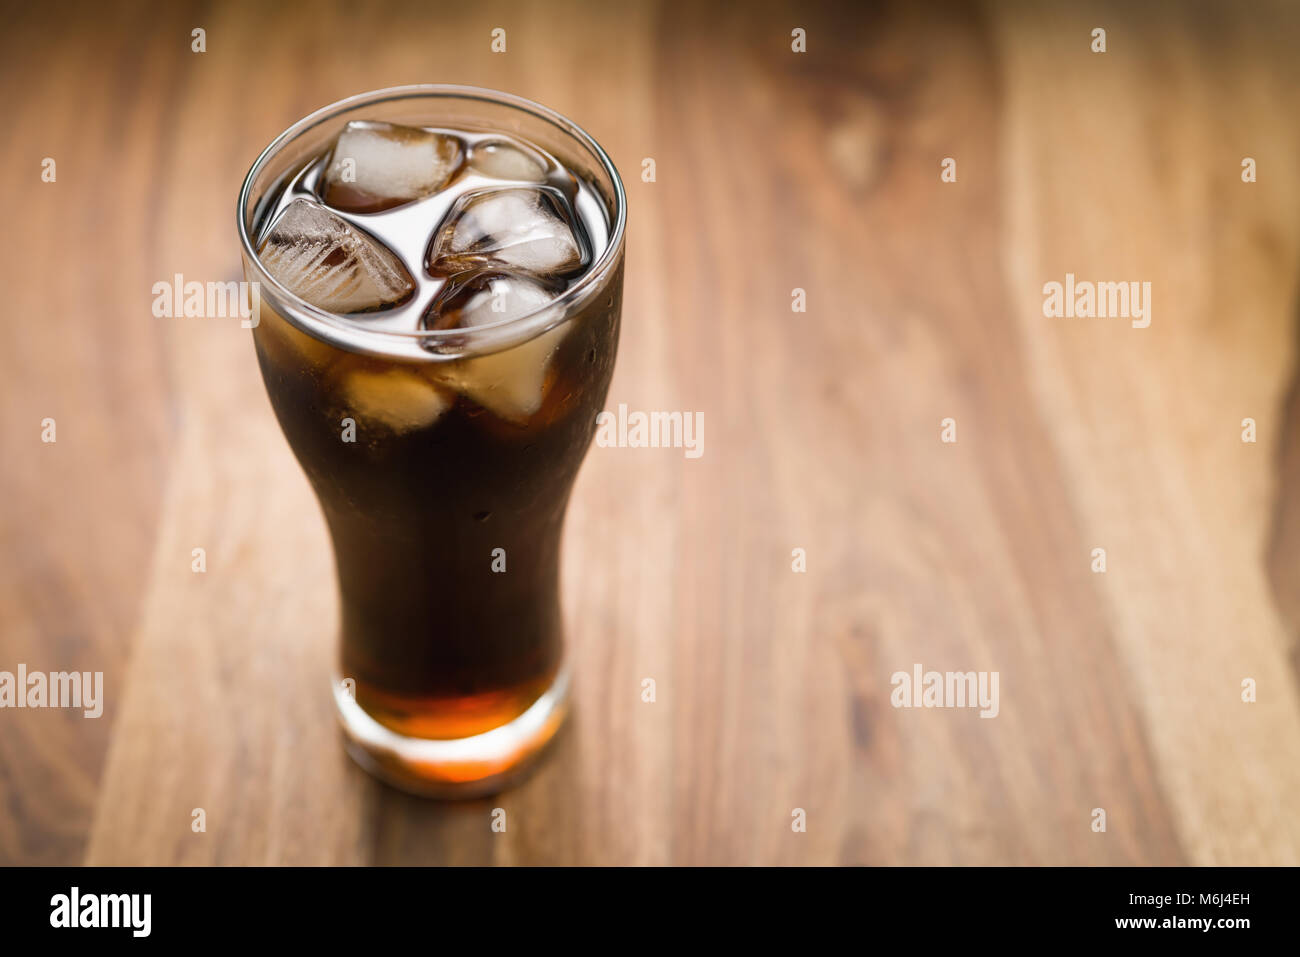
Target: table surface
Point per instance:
(775, 170)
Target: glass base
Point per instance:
(454, 767)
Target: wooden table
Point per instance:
(775, 170)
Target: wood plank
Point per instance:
(79, 257)
(1150, 420)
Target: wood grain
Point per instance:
(775, 171)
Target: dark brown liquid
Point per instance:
(440, 644)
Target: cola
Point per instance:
(440, 317)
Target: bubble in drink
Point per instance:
(332, 264)
(503, 160)
(517, 228)
(512, 382)
(376, 166)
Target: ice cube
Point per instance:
(482, 298)
(512, 382)
(332, 264)
(398, 398)
(504, 160)
(523, 228)
(376, 166)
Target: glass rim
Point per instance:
(553, 312)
